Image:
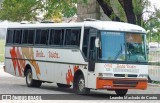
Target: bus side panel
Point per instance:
(54, 65)
(14, 63)
(63, 64)
(63, 73)
(9, 66)
(18, 57)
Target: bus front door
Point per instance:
(91, 62)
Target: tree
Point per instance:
(130, 11)
(59, 8)
(152, 25)
(107, 9)
(127, 5)
(19, 10)
(133, 10)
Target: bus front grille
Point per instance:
(125, 83)
(123, 75)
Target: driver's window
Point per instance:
(92, 52)
(85, 42)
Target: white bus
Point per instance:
(103, 55)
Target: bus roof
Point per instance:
(100, 25)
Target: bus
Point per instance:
(100, 55)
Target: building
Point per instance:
(93, 10)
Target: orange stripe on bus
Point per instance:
(108, 84)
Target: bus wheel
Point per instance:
(37, 83)
(80, 86)
(121, 92)
(63, 85)
(29, 80)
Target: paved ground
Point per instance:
(15, 85)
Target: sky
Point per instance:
(154, 3)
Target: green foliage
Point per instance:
(119, 11)
(153, 30)
(152, 25)
(139, 9)
(59, 8)
(19, 10)
(138, 6)
(155, 82)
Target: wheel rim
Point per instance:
(29, 78)
(81, 84)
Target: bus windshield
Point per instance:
(119, 46)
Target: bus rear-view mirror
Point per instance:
(97, 43)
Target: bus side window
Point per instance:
(42, 37)
(52, 32)
(28, 36)
(68, 37)
(75, 37)
(72, 37)
(85, 42)
(25, 37)
(10, 36)
(17, 36)
(58, 37)
(31, 36)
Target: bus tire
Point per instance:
(80, 86)
(63, 85)
(121, 92)
(37, 83)
(29, 80)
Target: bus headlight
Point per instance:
(105, 75)
(143, 75)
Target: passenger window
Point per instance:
(72, 37)
(28, 36)
(52, 37)
(75, 37)
(56, 37)
(10, 36)
(42, 37)
(25, 36)
(31, 36)
(68, 37)
(17, 36)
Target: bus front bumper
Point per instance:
(121, 83)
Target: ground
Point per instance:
(16, 85)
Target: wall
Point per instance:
(92, 10)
